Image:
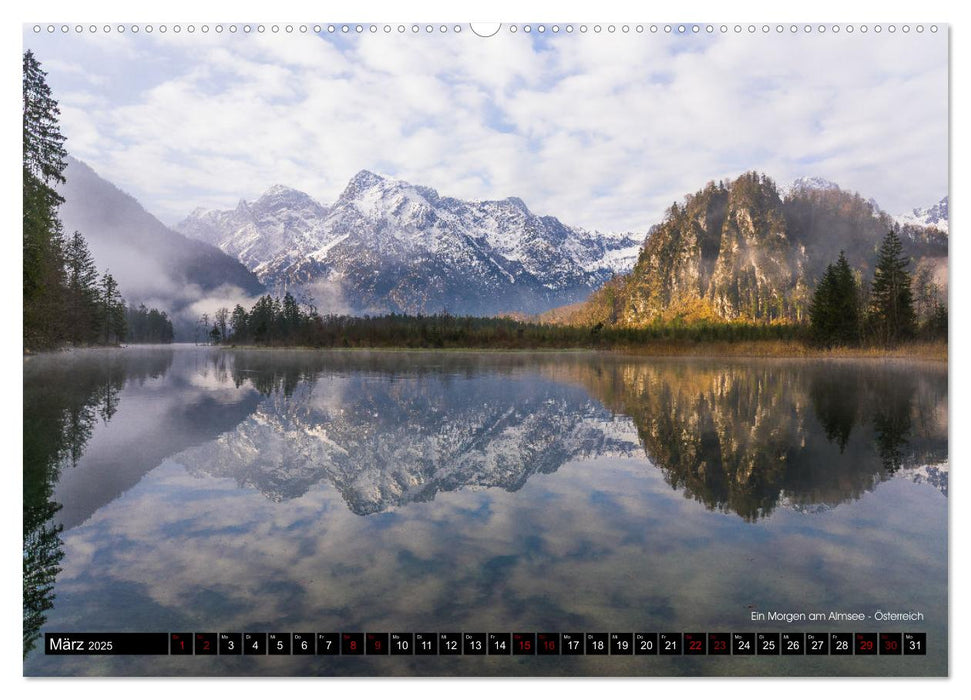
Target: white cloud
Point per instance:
(601, 131)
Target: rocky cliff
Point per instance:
(744, 250)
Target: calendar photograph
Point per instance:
(548, 349)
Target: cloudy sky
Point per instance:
(602, 130)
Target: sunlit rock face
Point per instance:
(743, 249)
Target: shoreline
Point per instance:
(926, 351)
(765, 349)
(753, 349)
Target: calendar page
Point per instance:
(424, 349)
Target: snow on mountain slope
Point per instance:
(936, 216)
(392, 246)
(813, 183)
(278, 222)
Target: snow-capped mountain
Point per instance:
(282, 220)
(386, 245)
(813, 183)
(936, 216)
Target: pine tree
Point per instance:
(239, 322)
(891, 301)
(81, 292)
(262, 319)
(290, 316)
(112, 310)
(43, 167)
(44, 151)
(821, 308)
(846, 309)
(834, 311)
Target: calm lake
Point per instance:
(208, 490)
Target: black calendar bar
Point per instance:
(487, 643)
(106, 643)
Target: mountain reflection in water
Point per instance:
(739, 437)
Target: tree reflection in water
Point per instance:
(64, 396)
(745, 437)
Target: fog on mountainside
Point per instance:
(152, 263)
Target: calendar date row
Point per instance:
(490, 643)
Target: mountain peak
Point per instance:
(276, 190)
(518, 203)
(281, 197)
(363, 181)
(365, 178)
(813, 183)
(282, 192)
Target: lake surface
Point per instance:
(192, 489)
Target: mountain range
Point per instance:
(739, 249)
(389, 246)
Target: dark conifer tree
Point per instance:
(239, 322)
(834, 314)
(82, 291)
(43, 167)
(290, 314)
(112, 311)
(891, 316)
(821, 308)
(846, 303)
(148, 325)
